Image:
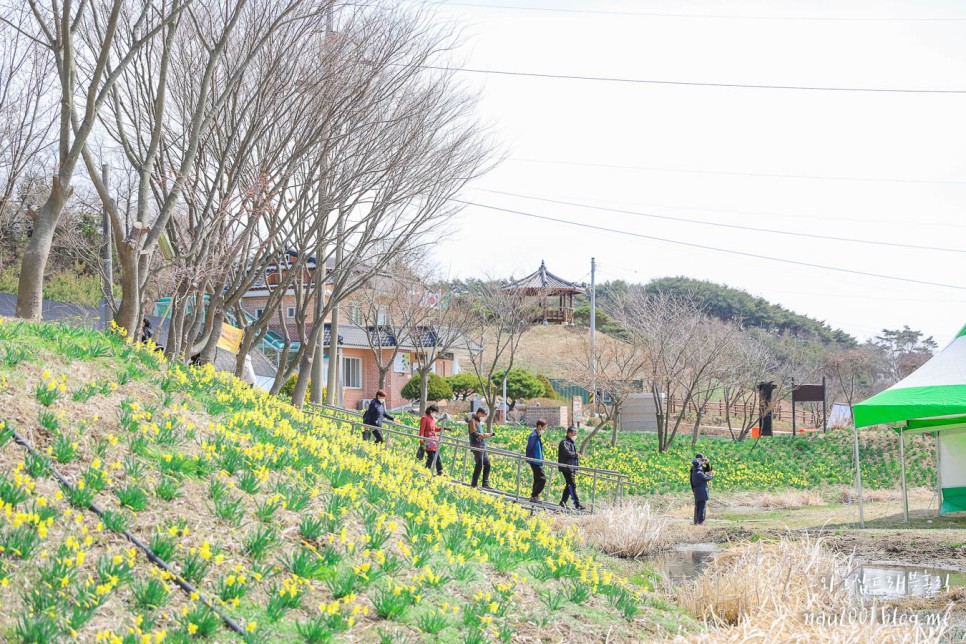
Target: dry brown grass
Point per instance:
(848, 495)
(772, 500)
(788, 591)
(632, 529)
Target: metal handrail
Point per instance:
(489, 450)
(618, 479)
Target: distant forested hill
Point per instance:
(729, 303)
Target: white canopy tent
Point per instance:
(930, 400)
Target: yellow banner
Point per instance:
(231, 338)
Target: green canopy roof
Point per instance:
(932, 396)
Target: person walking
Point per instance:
(701, 473)
(569, 458)
(478, 446)
(535, 459)
(374, 416)
(429, 438)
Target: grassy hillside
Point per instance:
(295, 529)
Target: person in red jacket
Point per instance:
(429, 438)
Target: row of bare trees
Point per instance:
(672, 350)
(316, 140)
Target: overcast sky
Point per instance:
(886, 167)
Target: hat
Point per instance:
(699, 457)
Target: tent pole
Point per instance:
(939, 480)
(858, 473)
(902, 465)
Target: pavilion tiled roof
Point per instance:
(543, 281)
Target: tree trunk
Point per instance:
(318, 361)
(423, 390)
(590, 436)
(128, 312)
(30, 287)
(331, 392)
(211, 346)
(302, 383)
(383, 373)
(617, 427)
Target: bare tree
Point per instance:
(751, 362)
(853, 371)
(443, 326)
(618, 371)
(164, 109)
(89, 57)
(390, 307)
(26, 124)
(502, 317)
(683, 345)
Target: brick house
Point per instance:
(359, 373)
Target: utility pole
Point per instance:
(593, 330)
(107, 266)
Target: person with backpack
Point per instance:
(429, 439)
(478, 446)
(374, 415)
(569, 459)
(701, 473)
(535, 460)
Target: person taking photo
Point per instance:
(701, 473)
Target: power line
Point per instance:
(623, 272)
(615, 166)
(766, 213)
(723, 225)
(642, 81)
(654, 14)
(712, 248)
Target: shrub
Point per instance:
(463, 384)
(520, 385)
(436, 389)
(289, 387)
(548, 390)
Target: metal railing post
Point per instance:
(593, 493)
(519, 473)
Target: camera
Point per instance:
(706, 465)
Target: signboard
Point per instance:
(230, 339)
(403, 363)
(808, 393)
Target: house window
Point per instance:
(383, 318)
(352, 373)
(291, 312)
(259, 313)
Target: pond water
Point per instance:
(687, 561)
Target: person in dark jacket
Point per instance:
(701, 473)
(147, 332)
(374, 416)
(535, 459)
(568, 457)
(478, 447)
